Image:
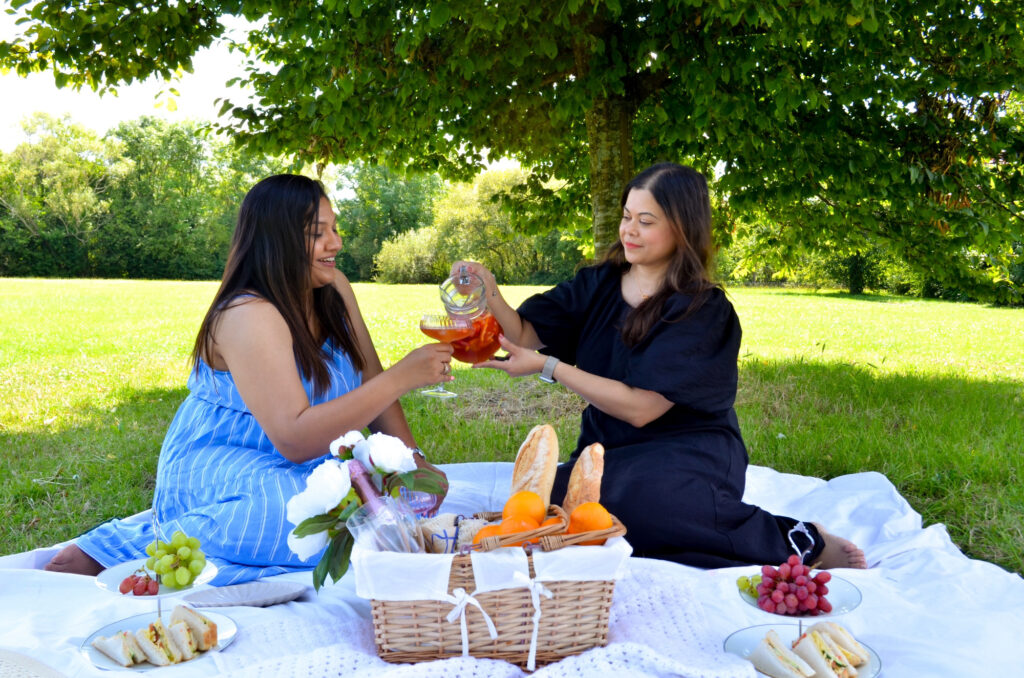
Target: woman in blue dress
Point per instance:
(651, 344)
(283, 365)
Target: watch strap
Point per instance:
(547, 372)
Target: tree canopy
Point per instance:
(839, 123)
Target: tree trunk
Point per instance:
(610, 136)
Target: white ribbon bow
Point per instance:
(460, 599)
(536, 590)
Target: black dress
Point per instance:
(676, 483)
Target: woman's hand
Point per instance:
(519, 362)
(428, 364)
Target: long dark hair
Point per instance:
(269, 258)
(682, 194)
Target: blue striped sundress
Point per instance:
(220, 479)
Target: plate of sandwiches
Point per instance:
(111, 578)
(823, 650)
(145, 642)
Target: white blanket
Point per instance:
(926, 609)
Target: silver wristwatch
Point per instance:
(548, 370)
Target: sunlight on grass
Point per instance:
(930, 393)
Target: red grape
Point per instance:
(126, 585)
(141, 587)
(154, 587)
(793, 589)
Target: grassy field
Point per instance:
(929, 393)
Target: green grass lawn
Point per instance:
(929, 393)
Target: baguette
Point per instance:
(585, 479)
(537, 462)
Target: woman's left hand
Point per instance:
(519, 362)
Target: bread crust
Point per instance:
(537, 462)
(204, 631)
(585, 479)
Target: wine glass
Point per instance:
(445, 329)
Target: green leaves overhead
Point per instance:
(813, 112)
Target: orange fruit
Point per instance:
(485, 531)
(587, 518)
(525, 504)
(516, 524)
(553, 520)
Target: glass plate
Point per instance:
(111, 578)
(844, 596)
(226, 632)
(743, 642)
(252, 594)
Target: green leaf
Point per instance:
(339, 560)
(322, 568)
(315, 524)
(852, 20)
(439, 15)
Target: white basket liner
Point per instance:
(421, 576)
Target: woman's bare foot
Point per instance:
(839, 552)
(74, 560)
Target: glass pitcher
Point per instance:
(464, 295)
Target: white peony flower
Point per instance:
(307, 547)
(326, 486)
(385, 453)
(349, 440)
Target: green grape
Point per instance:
(197, 554)
(197, 566)
(178, 539)
(167, 562)
(151, 548)
(184, 553)
(193, 543)
(151, 562)
(743, 583)
(168, 579)
(160, 552)
(183, 575)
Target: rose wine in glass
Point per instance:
(445, 329)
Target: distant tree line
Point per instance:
(158, 200)
(150, 199)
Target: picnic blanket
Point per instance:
(926, 609)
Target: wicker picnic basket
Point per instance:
(572, 621)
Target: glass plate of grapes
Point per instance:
(794, 590)
(172, 567)
(112, 579)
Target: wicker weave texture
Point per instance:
(572, 621)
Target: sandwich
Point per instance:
(157, 644)
(772, 657)
(853, 650)
(204, 631)
(121, 647)
(537, 462)
(585, 479)
(182, 637)
(824, 656)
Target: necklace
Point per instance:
(644, 295)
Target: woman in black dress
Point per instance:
(651, 344)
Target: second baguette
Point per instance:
(585, 479)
